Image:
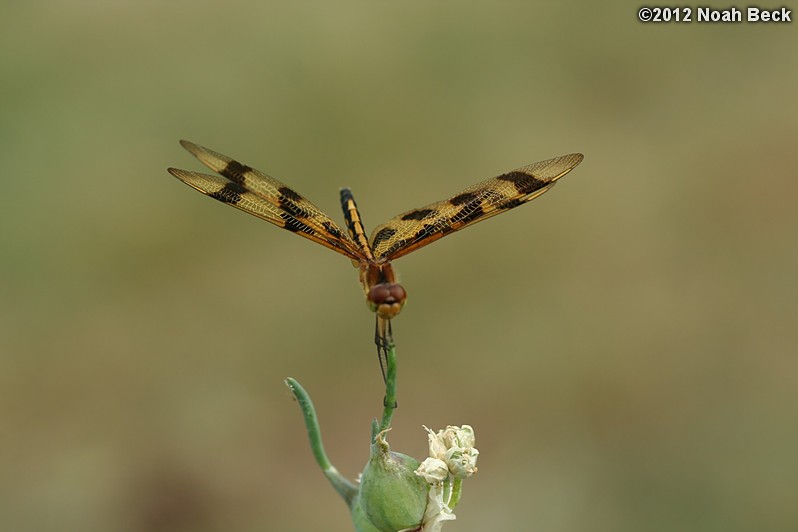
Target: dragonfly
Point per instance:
(267, 198)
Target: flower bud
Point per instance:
(437, 448)
(455, 446)
(391, 495)
(454, 436)
(462, 462)
(433, 470)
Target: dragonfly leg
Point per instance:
(383, 337)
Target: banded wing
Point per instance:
(414, 229)
(254, 192)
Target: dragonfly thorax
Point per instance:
(386, 299)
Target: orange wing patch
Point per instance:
(414, 229)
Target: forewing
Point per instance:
(263, 196)
(417, 228)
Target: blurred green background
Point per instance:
(625, 348)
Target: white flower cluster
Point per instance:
(452, 457)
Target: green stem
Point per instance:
(455, 497)
(342, 485)
(389, 402)
(447, 490)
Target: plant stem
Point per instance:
(389, 402)
(455, 496)
(342, 485)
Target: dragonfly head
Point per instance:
(386, 299)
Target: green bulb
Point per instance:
(391, 495)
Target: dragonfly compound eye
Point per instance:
(386, 299)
